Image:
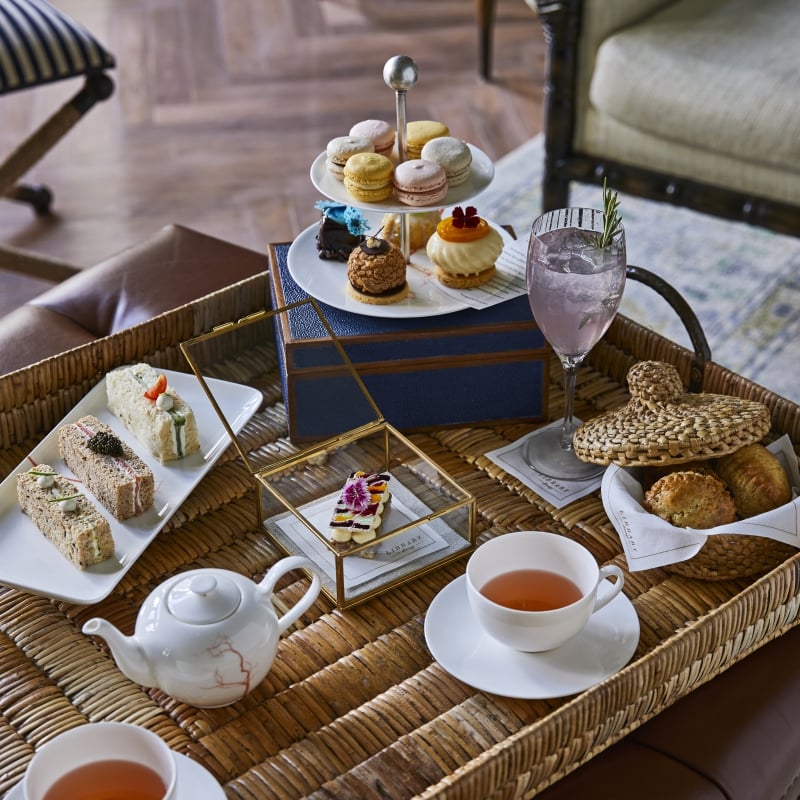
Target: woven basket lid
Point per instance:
(661, 424)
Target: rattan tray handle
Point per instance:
(702, 351)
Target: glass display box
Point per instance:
(428, 519)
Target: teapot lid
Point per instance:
(203, 597)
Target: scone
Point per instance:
(756, 480)
(153, 411)
(652, 473)
(464, 249)
(109, 469)
(376, 273)
(66, 517)
(691, 500)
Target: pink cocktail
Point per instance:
(576, 271)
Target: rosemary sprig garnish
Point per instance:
(612, 222)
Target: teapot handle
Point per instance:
(276, 572)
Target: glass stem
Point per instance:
(568, 424)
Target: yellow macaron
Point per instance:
(420, 132)
(368, 177)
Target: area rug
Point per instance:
(742, 282)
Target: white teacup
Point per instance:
(538, 630)
(94, 744)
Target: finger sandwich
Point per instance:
(153, 411)
(65, 516)
(107, 467)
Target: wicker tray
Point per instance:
(354, 705)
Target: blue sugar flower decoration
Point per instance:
(344, 215)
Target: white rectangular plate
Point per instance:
(29, 561)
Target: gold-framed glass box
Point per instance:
(429, 519)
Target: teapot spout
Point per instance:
(127, 651)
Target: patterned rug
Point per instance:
(742, 282)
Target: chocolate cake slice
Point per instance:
(341, 228)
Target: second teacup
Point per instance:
(534, 591)
(106, 759)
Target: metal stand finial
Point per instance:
(400, 74)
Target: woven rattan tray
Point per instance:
(354, 706)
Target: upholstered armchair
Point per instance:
(691, 102)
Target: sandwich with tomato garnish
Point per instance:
(153, 411)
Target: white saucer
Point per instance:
(194, 781)
(462, 648)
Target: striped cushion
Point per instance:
(39, 44)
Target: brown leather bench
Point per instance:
(173, 267)
(737, 737)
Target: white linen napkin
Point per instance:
(649, 541)
(556, 492)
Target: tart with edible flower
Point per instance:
(359, 509)
(464, 249)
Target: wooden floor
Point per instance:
(221, 106)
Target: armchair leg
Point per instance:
(97, 87)
(38, 196)
(485, 12)
(555, 191)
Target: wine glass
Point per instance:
(575, 274)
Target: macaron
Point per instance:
(453, 155)
(341, 148)
(420, 132)
(419, 183)
(379, 132)
(368, 177)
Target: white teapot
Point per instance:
(208, 636)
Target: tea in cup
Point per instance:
(107, 759)
(534, 591)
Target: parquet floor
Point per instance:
(221, 106)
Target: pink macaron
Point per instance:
(420, 183)
(380, 133)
